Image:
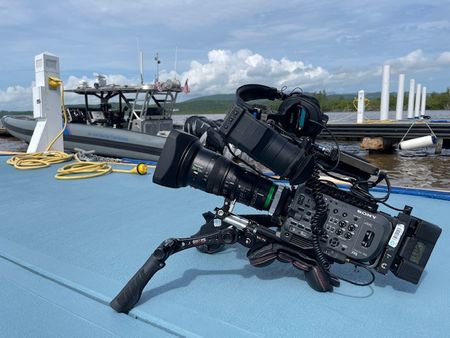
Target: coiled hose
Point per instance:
(29, 161)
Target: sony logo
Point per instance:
(366, 214)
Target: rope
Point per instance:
(355, 103)
(412, 124)
(88, 169)
(82, 170)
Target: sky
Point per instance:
(337, 46)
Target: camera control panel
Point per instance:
(349, 231)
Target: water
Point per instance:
(420, 168)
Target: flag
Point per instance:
(185, 88)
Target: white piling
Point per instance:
(423, 101)
(361, 107)
(412, 87)
(384, 105)
(417, 103)
(400, 96)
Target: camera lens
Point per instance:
(184, 161)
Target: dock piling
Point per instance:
(361, 107)
(384, 105)
(423, 102)
(400, 96)
(412, 87)
(439, 144)
(417, 103)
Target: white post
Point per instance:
(417, 103)
(400, 96)
(412, 87)
(384, 106)
(46, 105)
(361, 107)
(423, 101)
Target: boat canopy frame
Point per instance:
(162, 98)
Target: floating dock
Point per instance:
(68, 247)
(391, 132)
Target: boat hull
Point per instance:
(104, 141)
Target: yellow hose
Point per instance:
(73, 171)
(29, 161)
(86, 169)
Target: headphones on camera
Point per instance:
(298, 113)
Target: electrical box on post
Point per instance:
(46, 103)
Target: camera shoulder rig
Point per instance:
(223, 228)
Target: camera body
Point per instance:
(354, 231)
(319, 220)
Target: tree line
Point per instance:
(435, 101)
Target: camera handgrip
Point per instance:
(132, 291)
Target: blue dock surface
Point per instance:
(68, 247)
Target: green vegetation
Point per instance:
(220, 104)
(214, 104)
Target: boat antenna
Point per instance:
(140, 60)
(141, 66)
(175, 65)
(158, 61)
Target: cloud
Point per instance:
(415, 59)
(434, 25)
(20, 98)
(222, 73)
(444, 58)
(418, 61)
(226, 70)
(17, 97)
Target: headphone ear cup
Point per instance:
(288, 104)
(293, 104)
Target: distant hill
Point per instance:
(221, 103)
(216, 97)
(212, 104)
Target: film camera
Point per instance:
(308, 222)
